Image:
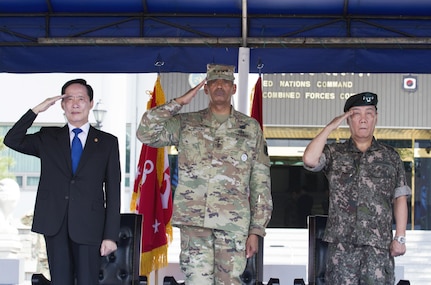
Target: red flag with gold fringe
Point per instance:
(152, 197)
(256, 107)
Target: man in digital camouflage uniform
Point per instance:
(223, 200)
(367, 181)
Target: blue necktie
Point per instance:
(76, 150)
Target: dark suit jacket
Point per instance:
(91, 197)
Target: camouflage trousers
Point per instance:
(210, 256)
(349, 264)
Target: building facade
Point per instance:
(295, 108)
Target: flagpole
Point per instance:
(260, 66)
(158, 63)
(152, 197)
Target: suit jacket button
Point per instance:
(66, 197)
(72, 181)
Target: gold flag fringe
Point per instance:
(154, 260)
(133, 202)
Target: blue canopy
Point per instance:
(390, 36)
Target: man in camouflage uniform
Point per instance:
(367, 181)
(223, 199)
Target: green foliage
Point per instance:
(5, 163)
(406, 154)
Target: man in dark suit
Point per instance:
(78, 212)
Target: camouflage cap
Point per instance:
(220, 71)
(361, 99)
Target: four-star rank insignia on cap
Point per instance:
(368, 98)
(361, 99)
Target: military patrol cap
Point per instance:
(220, 71)
(361, 99)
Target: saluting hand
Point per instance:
(336, 122)
(46, 104)
(189, 95)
